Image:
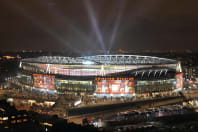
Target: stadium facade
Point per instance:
(102, 75)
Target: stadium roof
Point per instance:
(102, 59)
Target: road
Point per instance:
(77, 114)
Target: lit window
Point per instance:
(5, 118)
(18, 121)
(13, 122)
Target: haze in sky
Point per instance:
(82, 25)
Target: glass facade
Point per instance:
(25, 79)
(102, 87)
(142, 87)
(74, 87)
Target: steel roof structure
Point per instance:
(102, 59)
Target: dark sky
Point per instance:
(82, 25)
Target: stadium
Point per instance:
(102, 75)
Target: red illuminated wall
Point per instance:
(114, 86)
(179, 79)
(44, 81)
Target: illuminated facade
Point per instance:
(120, 86)
(102, 75)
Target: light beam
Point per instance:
(94, 24)
(116, 25)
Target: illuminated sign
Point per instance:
(44, 81)
(179, 81)
(114, 78)
(114, 86)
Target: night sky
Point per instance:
(84, 25)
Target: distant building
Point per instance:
(9, 116)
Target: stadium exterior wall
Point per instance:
(102, 75)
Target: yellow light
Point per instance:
(46, 124)
(9, 57)
(18, 121)
(5, 118)
(2, 109)
(50, 125)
